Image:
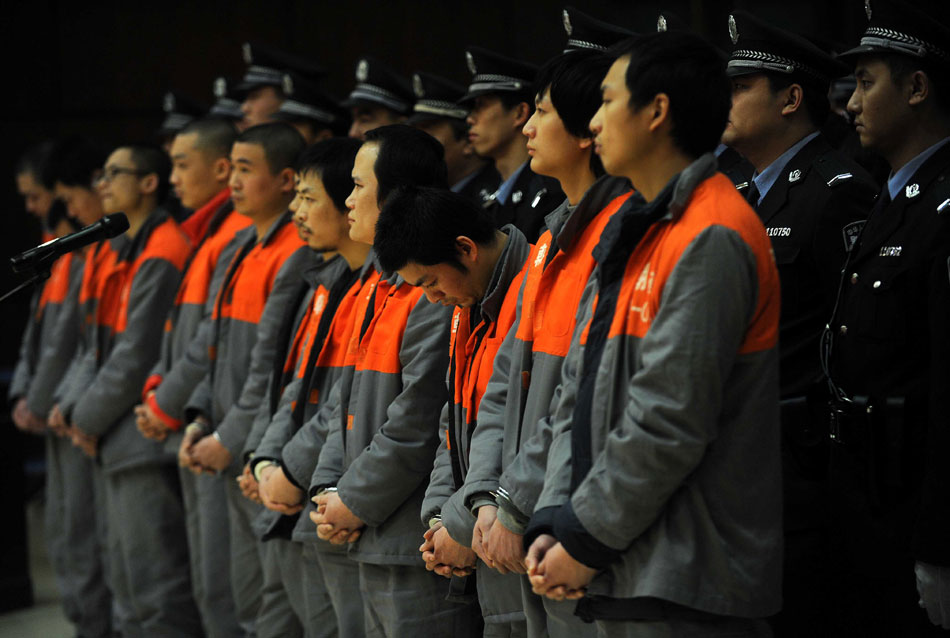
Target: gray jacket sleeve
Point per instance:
(236, 425)
(26, 359)
(57, 354)
(441, 482)
(401, 453)
(328, 420)
(673, 402)
(271, 433)
(178, 383)
(81, 376)
(119, 380)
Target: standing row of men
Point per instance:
(521, 366)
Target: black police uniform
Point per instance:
(378, 85)
(736, 168)
(812, 214)
(887, 349)
(305, 101)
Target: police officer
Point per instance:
(314, 113)
(437, 112)
(887, 345)
(381, 96)
(812, 200)
(263, 83)
(180, 111)
(227, 104)
(501, 100)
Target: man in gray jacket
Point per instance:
(661, 508)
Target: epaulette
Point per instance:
(941, 196)
(832, 170)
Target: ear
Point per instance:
(149, 183)
(919, 88)
(659, 112)
(221, 169)
(467, 250)
(794, 98)
(585, 143)
(521, 112)
(287, 184)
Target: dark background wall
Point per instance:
(101, 69)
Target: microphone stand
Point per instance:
(40, 273)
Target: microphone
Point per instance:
(44, 254)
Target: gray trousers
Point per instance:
(206, 519)
(552, 618)
(499, 596)
(283, 580)
(263, 608)
(72, 538)
(340, 577)
(672, 628)
(402, 601)
(148, 561)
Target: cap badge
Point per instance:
(169, 103)
(516, 197)
(362, 71)
(567, 21)
(417, 86)
(794, 176)
(733, 30)
(246, 52)
(288, 84)
(220, 87)
(661, 25)
(471, 62)
(867, 8)
(912, 191)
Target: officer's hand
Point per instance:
(249, 486)
(57, 422)
(278, 493)
(504, 549)
(486, 518)
(211, 455)
(933, 586)
(335, 522)
(558, 576)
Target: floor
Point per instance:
(45, 618)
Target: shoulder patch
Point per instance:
(833, 169)
(850, 234)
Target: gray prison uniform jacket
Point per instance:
(383, 432)
(244, 350)
(505, 451)
(123, 355)
(499, 595)
(682, 500)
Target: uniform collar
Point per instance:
(898, 180)
(767, 178)
(501, 195)
(507, 268)
(462, 183)
(275, 228)
(565, 223)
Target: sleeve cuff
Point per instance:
(170, 421)
(541, 523)
(151, 384)
(578, 542)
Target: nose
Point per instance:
(434, 296)
(355, 131)
(246, 107)
(529, 129)
(595, 125)
(854, 104)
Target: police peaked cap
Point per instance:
(587, 33)
(436, 97)
(761, 48)
(266, 67)
(305, 100)
(180, 111)
(496, 73)
(907, 29)
(227, 100)
(378, 85)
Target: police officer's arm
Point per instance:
(400, 455)
(57, 354)
(118, 382)
(672, 403)
(933, 519)
(234, 428)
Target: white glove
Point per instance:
(933, 586)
